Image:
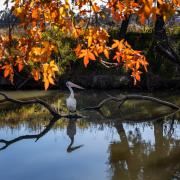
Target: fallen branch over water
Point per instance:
(33, 101)
(123, 98)
(50, 108)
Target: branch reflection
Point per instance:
(35, 136)
(71, 132)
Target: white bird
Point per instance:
(71, 101)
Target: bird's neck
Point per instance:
(72, 92)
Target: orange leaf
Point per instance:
(6, 72)
(91, 56)
(35, 13)
(54, 14)
(78, 49)
(136, 75)
(35, 74)
(87, 54)
(20, 64)
(20, 67)
(95, 8)
(118, 57)
(86, 60)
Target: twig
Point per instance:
(108, 64)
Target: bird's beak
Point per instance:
(75, 85)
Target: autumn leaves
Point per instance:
(123, 54)
(33, 50)
(93, 44)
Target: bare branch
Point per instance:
(51, 109)
(153, 99)
(108, 64)
(101, 103)
(124, 98)
(33, 101)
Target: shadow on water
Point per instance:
(135, 154)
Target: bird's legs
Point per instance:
(72, 114)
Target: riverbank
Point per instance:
(149, 82)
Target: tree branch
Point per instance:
(97, 107)
(51, 109)
(161, 42)
(33, 101)
(124, 98)
(168, 52)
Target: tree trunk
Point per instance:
(161, 43)
(123, 29)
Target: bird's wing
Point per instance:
(71, 104)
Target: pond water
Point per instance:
(141, 140)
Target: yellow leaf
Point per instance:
(62, 11)
(46, 83)
(147, 10)
(115, 44)
(90, 41)
(106, 53)
(37, 51)
(18, 11)
(118, 44)
(51, 81)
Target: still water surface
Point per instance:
(140, 141)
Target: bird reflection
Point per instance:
(71, 132)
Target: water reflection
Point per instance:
(145, 143)
(71, 132)
(35, 136)
(134, 158)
